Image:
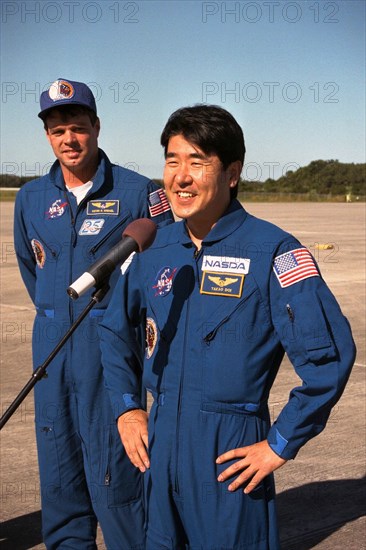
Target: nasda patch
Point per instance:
(224, 264)
(39, 253)
(223, 275)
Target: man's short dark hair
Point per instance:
(70, 111)
(213, 129)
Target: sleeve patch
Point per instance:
(294, 266)
(158, 203)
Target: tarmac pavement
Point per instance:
(321, 494)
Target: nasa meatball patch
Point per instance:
(57, 209)
(164, 281)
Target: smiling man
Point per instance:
(241, 292)
(64, 222)
(74, 141)
(197, 186)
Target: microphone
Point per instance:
(137, 237)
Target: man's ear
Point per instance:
(97, 126)
(47, 135)
(234, 170)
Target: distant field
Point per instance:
(298, 197)
(9, 195)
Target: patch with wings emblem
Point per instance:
(109, 208)
(222, 281)
(222, 284)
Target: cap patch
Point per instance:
(61, 89)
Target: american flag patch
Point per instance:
(158, 203)
(294, 266)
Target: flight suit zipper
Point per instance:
(211, 335)
(107, 478)
(107, 475)
(180, 396)
(106, 237)
(196, 257)
(72, 244)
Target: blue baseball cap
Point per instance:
(66, 92)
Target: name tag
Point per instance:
(218, 284)
(109, 208)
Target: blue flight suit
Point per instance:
(85, 474)
(218, 323)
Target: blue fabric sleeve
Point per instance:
(23, 247)
(318, 341)
(122, 349)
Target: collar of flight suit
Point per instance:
(101, 175)
(230, 221)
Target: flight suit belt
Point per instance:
(50, 313)
(255, 409)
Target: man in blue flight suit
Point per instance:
(64, 222)
(223, 296)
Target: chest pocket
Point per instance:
(237, 338)
(90, 248)
(110, 235)
(166, 320)
(167, 307)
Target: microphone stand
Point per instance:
(40, 372)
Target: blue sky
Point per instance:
(292, 73)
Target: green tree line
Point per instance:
(324, 177)
(7, 180)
